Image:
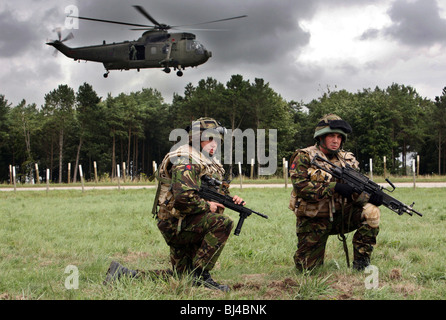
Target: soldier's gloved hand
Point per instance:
(344, 189)
(376, 199)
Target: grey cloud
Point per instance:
(416, 23)
(16, 36)
(369, 34)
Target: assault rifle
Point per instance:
(208, 191)
(361, 183)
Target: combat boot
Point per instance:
(361, 263)
(116, 271)
(204, 278)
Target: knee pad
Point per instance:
(371, 215)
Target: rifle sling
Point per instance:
(341, 236)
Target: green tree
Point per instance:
(5, 149)
(24, 123)
(437, 127)
(59, 104)
(155, 129)
(407, 115)
(87, 102)
(114, 125)
(269, 111)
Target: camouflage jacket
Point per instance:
(182, 170)
(313, 189)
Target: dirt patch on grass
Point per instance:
(7, 296)
(345, 286)
(265, 289)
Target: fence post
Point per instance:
(252, 169)
(95, 172)
(47, 180)
(82, 177)
(154, 165)
(413, 173)
(240, 173)
(285, 172)
(119, 177)
(418, 165)
(37, 173)
(13, 177)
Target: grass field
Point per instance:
(43, 233)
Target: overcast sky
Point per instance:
(299, 47)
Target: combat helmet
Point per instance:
(332, 123)
(207, 128)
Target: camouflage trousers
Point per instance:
(313, 233)
(200, 241)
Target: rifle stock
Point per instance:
(362, 183)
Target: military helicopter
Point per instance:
(156, 48)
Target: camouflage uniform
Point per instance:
(197, 236)
(320, 211)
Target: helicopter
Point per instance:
(156, 48)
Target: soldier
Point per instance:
(324, 206)
(195, 230)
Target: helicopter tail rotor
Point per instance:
(59, 39)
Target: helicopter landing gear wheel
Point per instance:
(166, 70)
(179, 73)
(106, 74)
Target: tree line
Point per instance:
(79, 127)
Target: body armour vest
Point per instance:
(184, 154)
(325, 207)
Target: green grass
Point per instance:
(44, 232)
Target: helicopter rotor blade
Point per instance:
(115, 22)
(157, 25)
(59, 32)
(68, 37)
(195, 29)
(197, 24)
(147, 15)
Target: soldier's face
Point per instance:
(209, 146)
(332, 142)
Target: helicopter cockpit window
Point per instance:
(196, 46)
